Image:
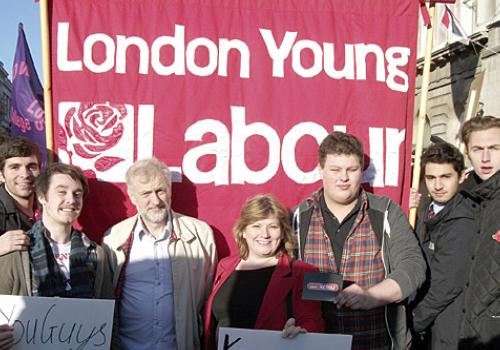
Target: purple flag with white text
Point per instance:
(28, 116)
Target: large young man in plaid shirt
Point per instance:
(365, 238)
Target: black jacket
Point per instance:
(10, 218)
(446, 239)
(481, 322)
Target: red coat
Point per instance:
(272, 314)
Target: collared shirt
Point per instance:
(338, 231)
(10, 217)
(36, 213)
(147, 302)
(436, 208)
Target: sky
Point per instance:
(12, 12)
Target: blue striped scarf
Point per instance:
(48, 279)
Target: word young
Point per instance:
(183, 56)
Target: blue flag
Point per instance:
(27, 114)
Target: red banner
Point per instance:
(233, 95)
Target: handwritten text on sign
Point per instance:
(58, 323)
(247, 339)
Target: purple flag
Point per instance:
(27, 114)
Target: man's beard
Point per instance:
(158, 216)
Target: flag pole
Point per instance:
(423, 107)
(47, 84)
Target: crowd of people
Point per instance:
(437, 287)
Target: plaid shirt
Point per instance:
(361, 263)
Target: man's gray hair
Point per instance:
(149, 167)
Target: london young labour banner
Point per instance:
(233, 95)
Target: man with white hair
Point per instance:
(162, 263)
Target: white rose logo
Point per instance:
(93, 129)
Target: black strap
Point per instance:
(3, 218)
(289, 305)
(304, 220)
(2, 224)
(377, 222)
(289, 302)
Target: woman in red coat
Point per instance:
(261, 287)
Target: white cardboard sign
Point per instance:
(58, 323)
(251, 339)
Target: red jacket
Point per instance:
(272, 314)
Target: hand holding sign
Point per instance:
(6, 337)
(291, 330)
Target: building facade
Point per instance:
(5, 92)
(456, 62)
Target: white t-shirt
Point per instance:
(62, 253)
